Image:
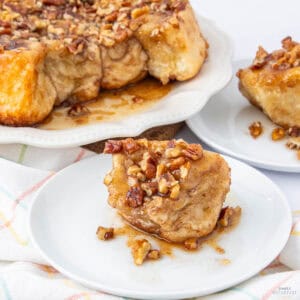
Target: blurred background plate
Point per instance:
(223, 125)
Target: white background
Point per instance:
(254, 22)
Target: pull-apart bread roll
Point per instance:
(171, 189)
(53, 50)
(272, 83)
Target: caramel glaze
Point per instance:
(166, 248)
(109, 106)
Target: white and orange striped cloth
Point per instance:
(24, 275)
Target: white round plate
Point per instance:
(223, 124)
(67, 211)
(185, 100)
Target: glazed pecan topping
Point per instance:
(229, 215)
(112, 147)
(103, 22)
(283, 59)
(278, 134)
(130, 146)
(135, 197)
(294, 131)
(260, 59)
(193, 152)
(154, 169)
(256, 129)
(104, 233)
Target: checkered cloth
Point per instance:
(25, 275)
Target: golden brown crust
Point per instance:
(31, 98)
(272, 83)
(93, 44)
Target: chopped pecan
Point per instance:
(77, 46)
(135, 197)
(130, 146)
(150, 188)
(193, 151)
(288, 43)
(160, 170)
(113, 146)
(260, 59)
(228, 214)
(294, 131)
(148, 165)
(176, 163)
(137, 12)
(111, 17)
(153, 254)
(140, 250)
(191, 244)
(174, 194)
(7, 31)
(104, 233)
(173, 152)
(184, 170)
(132, 181)
(133, 170)
(278, 134)
(294, 143)
(163, 187)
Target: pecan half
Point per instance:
(193, 151)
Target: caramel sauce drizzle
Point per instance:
(110, 105)
(166, 248)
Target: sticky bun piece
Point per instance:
(272, 83)
(170, 189)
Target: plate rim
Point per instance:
(256, 163)
(194, 127)
(174, 294)
(79, 136)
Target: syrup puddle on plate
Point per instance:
(108, 106)
(166, 249)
